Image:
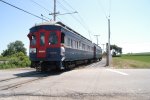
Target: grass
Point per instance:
(138, 58)
(132, 61)
(3, 58)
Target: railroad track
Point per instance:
(23, 75)
(15, 82)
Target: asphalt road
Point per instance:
(90, 82)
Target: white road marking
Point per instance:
(112, 70)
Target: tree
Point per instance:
(14, 47)
(116, 50)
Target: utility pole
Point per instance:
(97, 38)
(54, 11)
(108, 47)
(54, 14)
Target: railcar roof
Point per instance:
(59, 24)
(62, 25)
(47, 23)
(56, 24)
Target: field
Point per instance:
(139, 60)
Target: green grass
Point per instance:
(138, 58)
(141, 60)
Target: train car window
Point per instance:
(79, 44)
(71, 43)
(88, 48)
(83, 46)
(74, 44)
(68, 41)
(53, 38)
(62, 37)
(33, 40)
(92, 48)
(42, 39)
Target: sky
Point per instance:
(129, 21)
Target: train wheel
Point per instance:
(66, 65)
(100, 59)
(38, 69)
(44, 67)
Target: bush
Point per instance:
(16, 60)
(20, 59)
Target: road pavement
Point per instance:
(90, 82)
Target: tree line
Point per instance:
(116, 50)
(14, 56)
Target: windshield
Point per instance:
(42, 39)
(53, 38)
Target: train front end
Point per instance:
(45, 50)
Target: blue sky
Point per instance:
(130, 21)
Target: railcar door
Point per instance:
(41, 48)
(94, 52)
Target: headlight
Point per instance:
(32, 50)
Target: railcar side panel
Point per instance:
(75, 54)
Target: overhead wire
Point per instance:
(81, 21)
(23, 10)
(44, 9)
(69, 5)
(83, 25)
(109, 8)
(102, 8)
(63, 7)
(41, 6)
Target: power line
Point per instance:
(109, 7)
(81, 21)
(45, 17)
(85, 25)
(22, 10)
(69, 5)
(102, 8)
(43, 8)
(63, 7)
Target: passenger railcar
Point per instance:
(55, 45)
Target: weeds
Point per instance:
(17, 60)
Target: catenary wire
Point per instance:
(41, 6)
(109, 8)
(83, 25)
(81, 21)
(44, 9)
(102, 8)
(23, 10)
